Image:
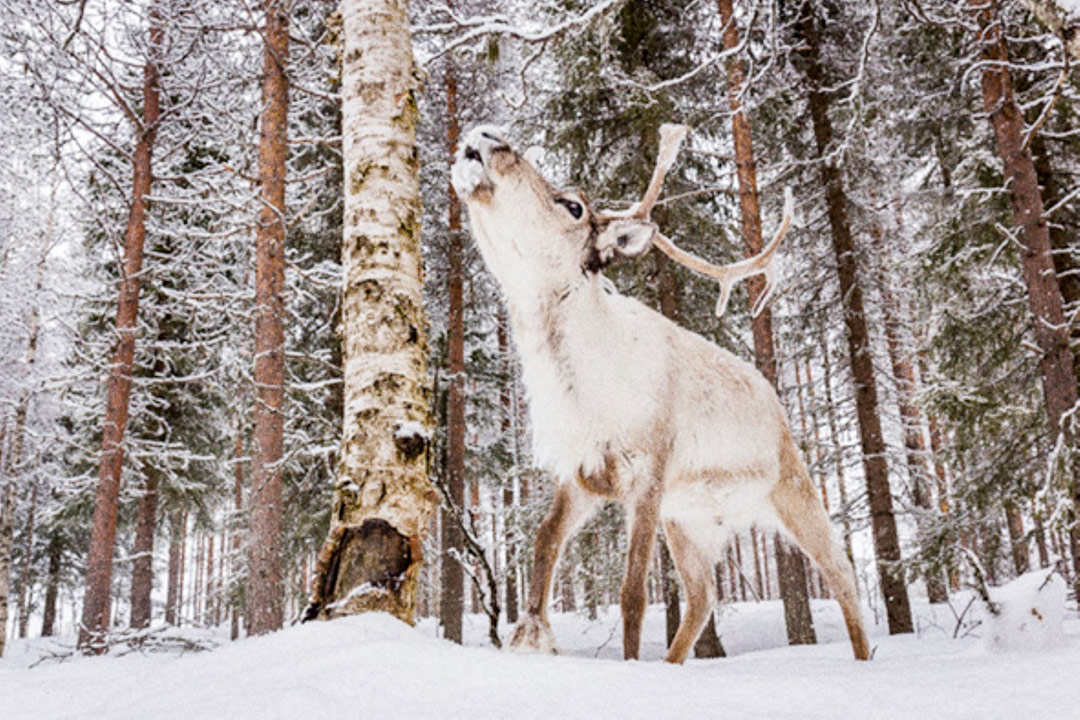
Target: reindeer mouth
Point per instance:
(470, 175)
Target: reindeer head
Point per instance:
(533, 235)
(526, 226)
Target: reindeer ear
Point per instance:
(628, 237)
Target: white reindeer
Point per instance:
(629, 407)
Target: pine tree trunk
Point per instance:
(792, 569)
(52, 588)
(452, 578)
(208, 594)
(7, 529)
(176, 545)
(237, 603)
(759, 586)
(882, 519)
(142, 569)
(1068, 271)
(708, 643)
(265, 596)
(670, 585)
(509, 508)
(1044, 294)
(1017, 539)
(96, 603)
(383, 497)
(910, 419)
(838, 448)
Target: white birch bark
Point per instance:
(383, 471)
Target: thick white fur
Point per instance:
(620, 378)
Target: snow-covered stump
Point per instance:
(1027, 614)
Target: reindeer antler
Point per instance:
(671, 137)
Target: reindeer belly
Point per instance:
(710, 508)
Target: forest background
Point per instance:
(171, 292)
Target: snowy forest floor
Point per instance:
(373, 666)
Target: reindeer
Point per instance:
(627, 406)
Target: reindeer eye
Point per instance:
(574, 208)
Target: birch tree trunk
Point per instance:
(265, 597)
(451, 604)
(1044, 293)
(882, 519)
(791, 567)
(95, 616)
(383, 498)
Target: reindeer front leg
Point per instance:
(644, 517)
(571, 507)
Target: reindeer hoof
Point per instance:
(531, 634)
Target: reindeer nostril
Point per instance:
(622, 240)
(472, 153)
(489, 136)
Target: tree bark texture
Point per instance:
(7, 529)
(1068, 272)
(236, 596)
(1044, 293)
(52, 587)
(1018, 542)
(875, 468)
(177, 532)
(708, 644)
(95, 616)
(383, 498)
(452, 588)
(142, 569)
(26, 582)
(838, 448)
(509, 507)
(791, 565)
(265, 596)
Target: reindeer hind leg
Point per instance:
(800, 511)
(696, 573)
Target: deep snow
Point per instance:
(373, 666)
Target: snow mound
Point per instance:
(1031, 614)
